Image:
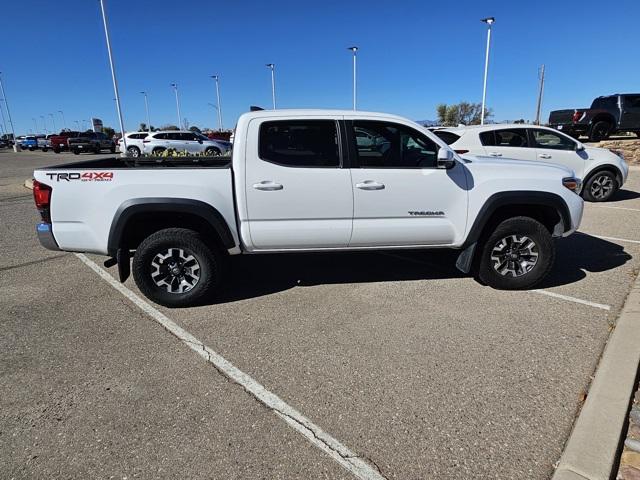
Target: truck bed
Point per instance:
(85, 194)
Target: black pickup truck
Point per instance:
(91, 142)
(607, 115)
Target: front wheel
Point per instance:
(517, 255)
(600, 187)
(174, 267)
(76, 151)
(133, 152)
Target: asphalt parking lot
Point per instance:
(419, 371)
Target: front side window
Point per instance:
(632, 101)
(605, 103)
(300, 143)
(390, 145)
(512, 137)
(552, 140)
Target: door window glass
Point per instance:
(390, 145)
(552, 140)
(300, 143)
(513, 137)
(632, 101)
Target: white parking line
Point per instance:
(572, 299)
(618, 208)
(615, 239)
(325, 442)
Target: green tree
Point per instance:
(461, 113)
(108, 131)
(169, 127)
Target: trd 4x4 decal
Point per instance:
(83, 177)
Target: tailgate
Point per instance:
(85, 201)
(559, 117)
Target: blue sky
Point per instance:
(413, 55)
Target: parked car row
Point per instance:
(602, 171)
(155, 143)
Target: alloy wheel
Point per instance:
(601, 187)
(514, 255)
(175, 270)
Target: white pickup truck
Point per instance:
(302, 181)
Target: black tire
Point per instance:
(96, 149)
(56, 150)
(133, 152)
(209, 260)
(638, 134)
(45, 149)
(600, 131)
(31, 149)
(600, 186)
(515, 274)
(157, 151)
(76, 151)
(213, 152)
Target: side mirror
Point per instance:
(445, 158)
(579, 147)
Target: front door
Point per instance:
(400, 197)
(298, 196)
(630, 117)
(553, 147)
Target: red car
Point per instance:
(60, 142)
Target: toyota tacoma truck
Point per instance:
(607, 115)
(299, 181)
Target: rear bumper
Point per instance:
(45, 236)
(571, 128)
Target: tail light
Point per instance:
(577, 116)
(42, 197)
(460, 152)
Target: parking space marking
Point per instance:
(319, 438)
(618, 208)
(615, 239)
(572, 299)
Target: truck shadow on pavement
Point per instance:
(623, 194)
(255, 276)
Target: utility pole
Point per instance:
(272, 66)
(354, 50)
(113, 75)
(16, 148)
(489, 21)
(146, 106)
(218, 108)
(540, 93)
(175, 89)
(4, 123)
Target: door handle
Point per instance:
(370, 185)
(267, 186)
(544, 155)
(495, 154)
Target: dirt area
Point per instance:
(630, 148)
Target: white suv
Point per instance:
(603, 171)
(134, 143)
(184, 141)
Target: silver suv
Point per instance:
(191, 142)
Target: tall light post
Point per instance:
(272, 66)
(146, 107)
(175, 89)
(4, 122)
(64, 123)
(77, 124)
(540, 93)
(16, 148)
(113, 75)
(354, 50)
(53, 120)
(44, 123)
(489, 21)
(35, 124)
(216, 78)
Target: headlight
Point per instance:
(572, 183)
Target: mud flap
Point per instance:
(124, 263)
(465, 259)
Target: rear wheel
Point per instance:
(600, 187)
(174, 267)
(76, 151)
(600, 131)
(517, 255)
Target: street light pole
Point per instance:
(77, 123)
(113, 75)
(44, 123)
(64, 123)
(35, 123)
(540, 93)
(146, 106)
(354, 50)
(6, 104)
(489, 21)
(4, 123)
(175, 89)
(53, 120)
(272, 66)
(219, 107)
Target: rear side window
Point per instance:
(512, 137)
(160, 136)
(606, 103)
(138, 136)
(300, 143)
(446, 137)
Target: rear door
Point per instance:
(553, 147)
(507, 143)
(630, 112)
(400, 197)
(298, 194)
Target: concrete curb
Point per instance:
(28, 183)
(594, 445)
